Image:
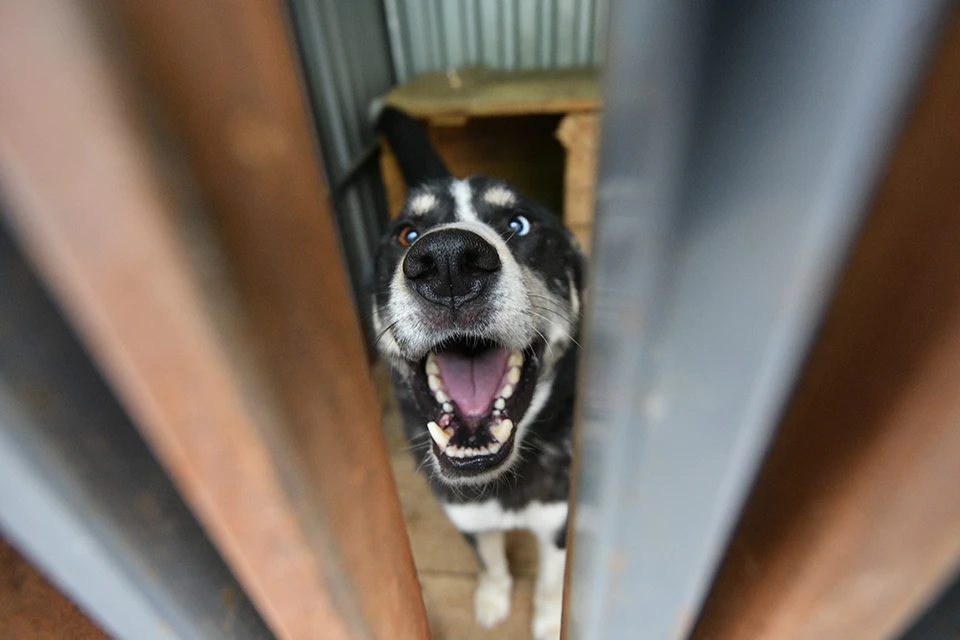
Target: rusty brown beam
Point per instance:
(854, 522)
(270, 431)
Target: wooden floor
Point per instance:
(445, 563)
(32, 609)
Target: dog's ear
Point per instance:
(418, 160)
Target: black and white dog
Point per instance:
(477, 309)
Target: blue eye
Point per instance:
(407, 235)
(520, 225)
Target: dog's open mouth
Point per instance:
(476, 392)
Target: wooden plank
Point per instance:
(289, 477)
(854, 522)
(479, 92)
(579, 132)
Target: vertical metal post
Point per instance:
(741, 142)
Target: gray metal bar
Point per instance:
(82, 497)
(942, 620)
(740, 146)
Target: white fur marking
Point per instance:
(574, 296)
(548, 593)
(463, 196)
(540, 396)
(422, 203)
(500, 196)
(544, 519)
(491, 600)
(386, 343)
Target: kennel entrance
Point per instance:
(201, 275)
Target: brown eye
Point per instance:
(407, 235)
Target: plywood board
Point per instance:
(478, 92)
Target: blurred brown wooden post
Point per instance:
(278, 451)
(855, 520)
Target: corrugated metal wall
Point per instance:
(437, 35)
(346, 58)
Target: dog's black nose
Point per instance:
(451, 266)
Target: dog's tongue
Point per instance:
(473, 380)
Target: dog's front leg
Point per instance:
(548, 593)
(491, 600)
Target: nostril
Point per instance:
(417, 267)
(476, 262)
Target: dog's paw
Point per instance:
(491, 600)
(547, 615)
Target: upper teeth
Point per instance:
(508, 385)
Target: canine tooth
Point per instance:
(513, 375)
(502, 430)
(516, 359)
(432, 367)
(441, 396)
(447, 407)
(434, 382)
(507, 391)
(439, 435)
(500, 404)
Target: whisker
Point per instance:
(384, 332)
